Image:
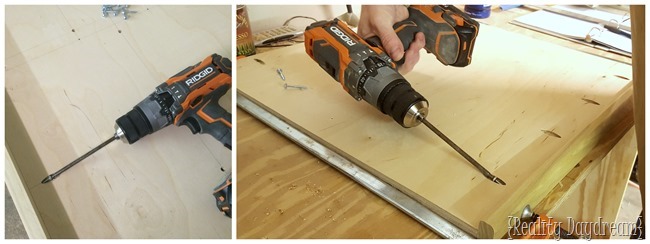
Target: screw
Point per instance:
(281, 74)
(106, 9)
(116, 10)
(286, 86)
(125, 11)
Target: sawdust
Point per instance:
(292, 186)
(313, 189)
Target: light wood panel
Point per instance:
(69, 74)
(638, 60)
(598, 193)
(25, 207)
(497, 109)
(284, 192)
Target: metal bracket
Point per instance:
(387, 192)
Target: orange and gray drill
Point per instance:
(367, 73)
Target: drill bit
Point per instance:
(76, 161)
(453, 145)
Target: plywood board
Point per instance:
(501, 109)
(598, 196)
(303, 196)
(69, 74)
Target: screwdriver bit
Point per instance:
(453, 145)
(76, 161)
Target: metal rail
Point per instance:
(387, 192)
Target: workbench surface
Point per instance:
(70, 73)
(286, 176)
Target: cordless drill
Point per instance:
(191, 98)
(367, 73)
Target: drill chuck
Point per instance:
(400, 101)
(150, 115)
(382, 86)
(132, 126)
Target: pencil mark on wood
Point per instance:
(498, 137)
(109, 184)
(66, 95)
(71, 104)
(519, 139)
(495, 140)
(336, 124)
(82, 112)
(622, 77)
(107, 218)
(590, 101)
(118, 167)
(551, 133)
(391, 159)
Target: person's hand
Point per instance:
(378, 20)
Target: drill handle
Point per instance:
(209, 117)
(448, 31)
(405, 30)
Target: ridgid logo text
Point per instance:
(198, 76)
(342, 36)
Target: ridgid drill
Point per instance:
(189, 98)
(367, 73)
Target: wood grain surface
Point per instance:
(505, 109)
(69, 75)
(595, 199)
(285, 192)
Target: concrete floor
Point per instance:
(14, 228)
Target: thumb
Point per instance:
(389, 40)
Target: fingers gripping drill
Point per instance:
(449, 33)
(367, 73)
(189, 98)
